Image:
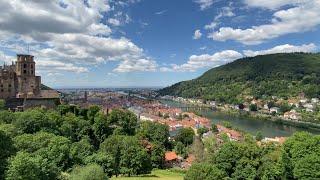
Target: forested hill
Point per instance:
(283, 75)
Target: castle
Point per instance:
(19, 80)
(18, 83)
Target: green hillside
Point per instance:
(283, 75)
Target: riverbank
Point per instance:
(265, 117)
(270, 127)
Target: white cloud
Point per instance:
(304, 17)
(136, 65)
(204, 4)
(160, 12)
(196, 62)
(286, 48)
(197, 34)
(114, 22)
(225, 12)
(57, 65)
(67, 35)
(273, 4)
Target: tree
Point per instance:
(2, 104)
(204, 171)
(300, 149)
(81, 150)
(238, 159)
(181, 149)
(197, 149)
(32, 121)
(113, 145)
(134, 158)
(88, 172)
(214, 128)
(253, 107)
(227, 124)
(308, 167)
(74, 127)
(259, 136)
(284, 107)
(101, 127)
(92, 111)
(202, 130)
(104, 160)
(157, 155)
(25, 166)
(6, 150)
(154, 132)
(7, 117)
(185, 135)
(57, 152)
(126, 120)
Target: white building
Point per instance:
(274, 110)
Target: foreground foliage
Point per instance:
(74, 143)
(297, 158)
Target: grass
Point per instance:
(158, 174)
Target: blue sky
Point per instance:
(121, 43)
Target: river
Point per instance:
(252, 126)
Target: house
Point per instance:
(172, 159)
(188, 162)
(232, 134)
(292, 115)
(315, 100)
(274, 110)
(265, 106)
(309, 107)
(303, 101)
(279, 140)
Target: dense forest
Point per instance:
(297, 158)
(283, 75)
(75, 143)
(72, 143)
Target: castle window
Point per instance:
(31, 66)
(9, 85)
(9, 90)
(24, 71)
(24, 65)
(31, 72)
(1, 90)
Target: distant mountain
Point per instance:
(283, 75)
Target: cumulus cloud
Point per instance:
(286, 48)
(136, 65)
(204, 4)
(196, 62)
(67, 35)
(197, 34)
(301, 18)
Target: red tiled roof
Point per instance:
(169, 156)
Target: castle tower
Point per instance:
(27, 82)
(25, 65)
